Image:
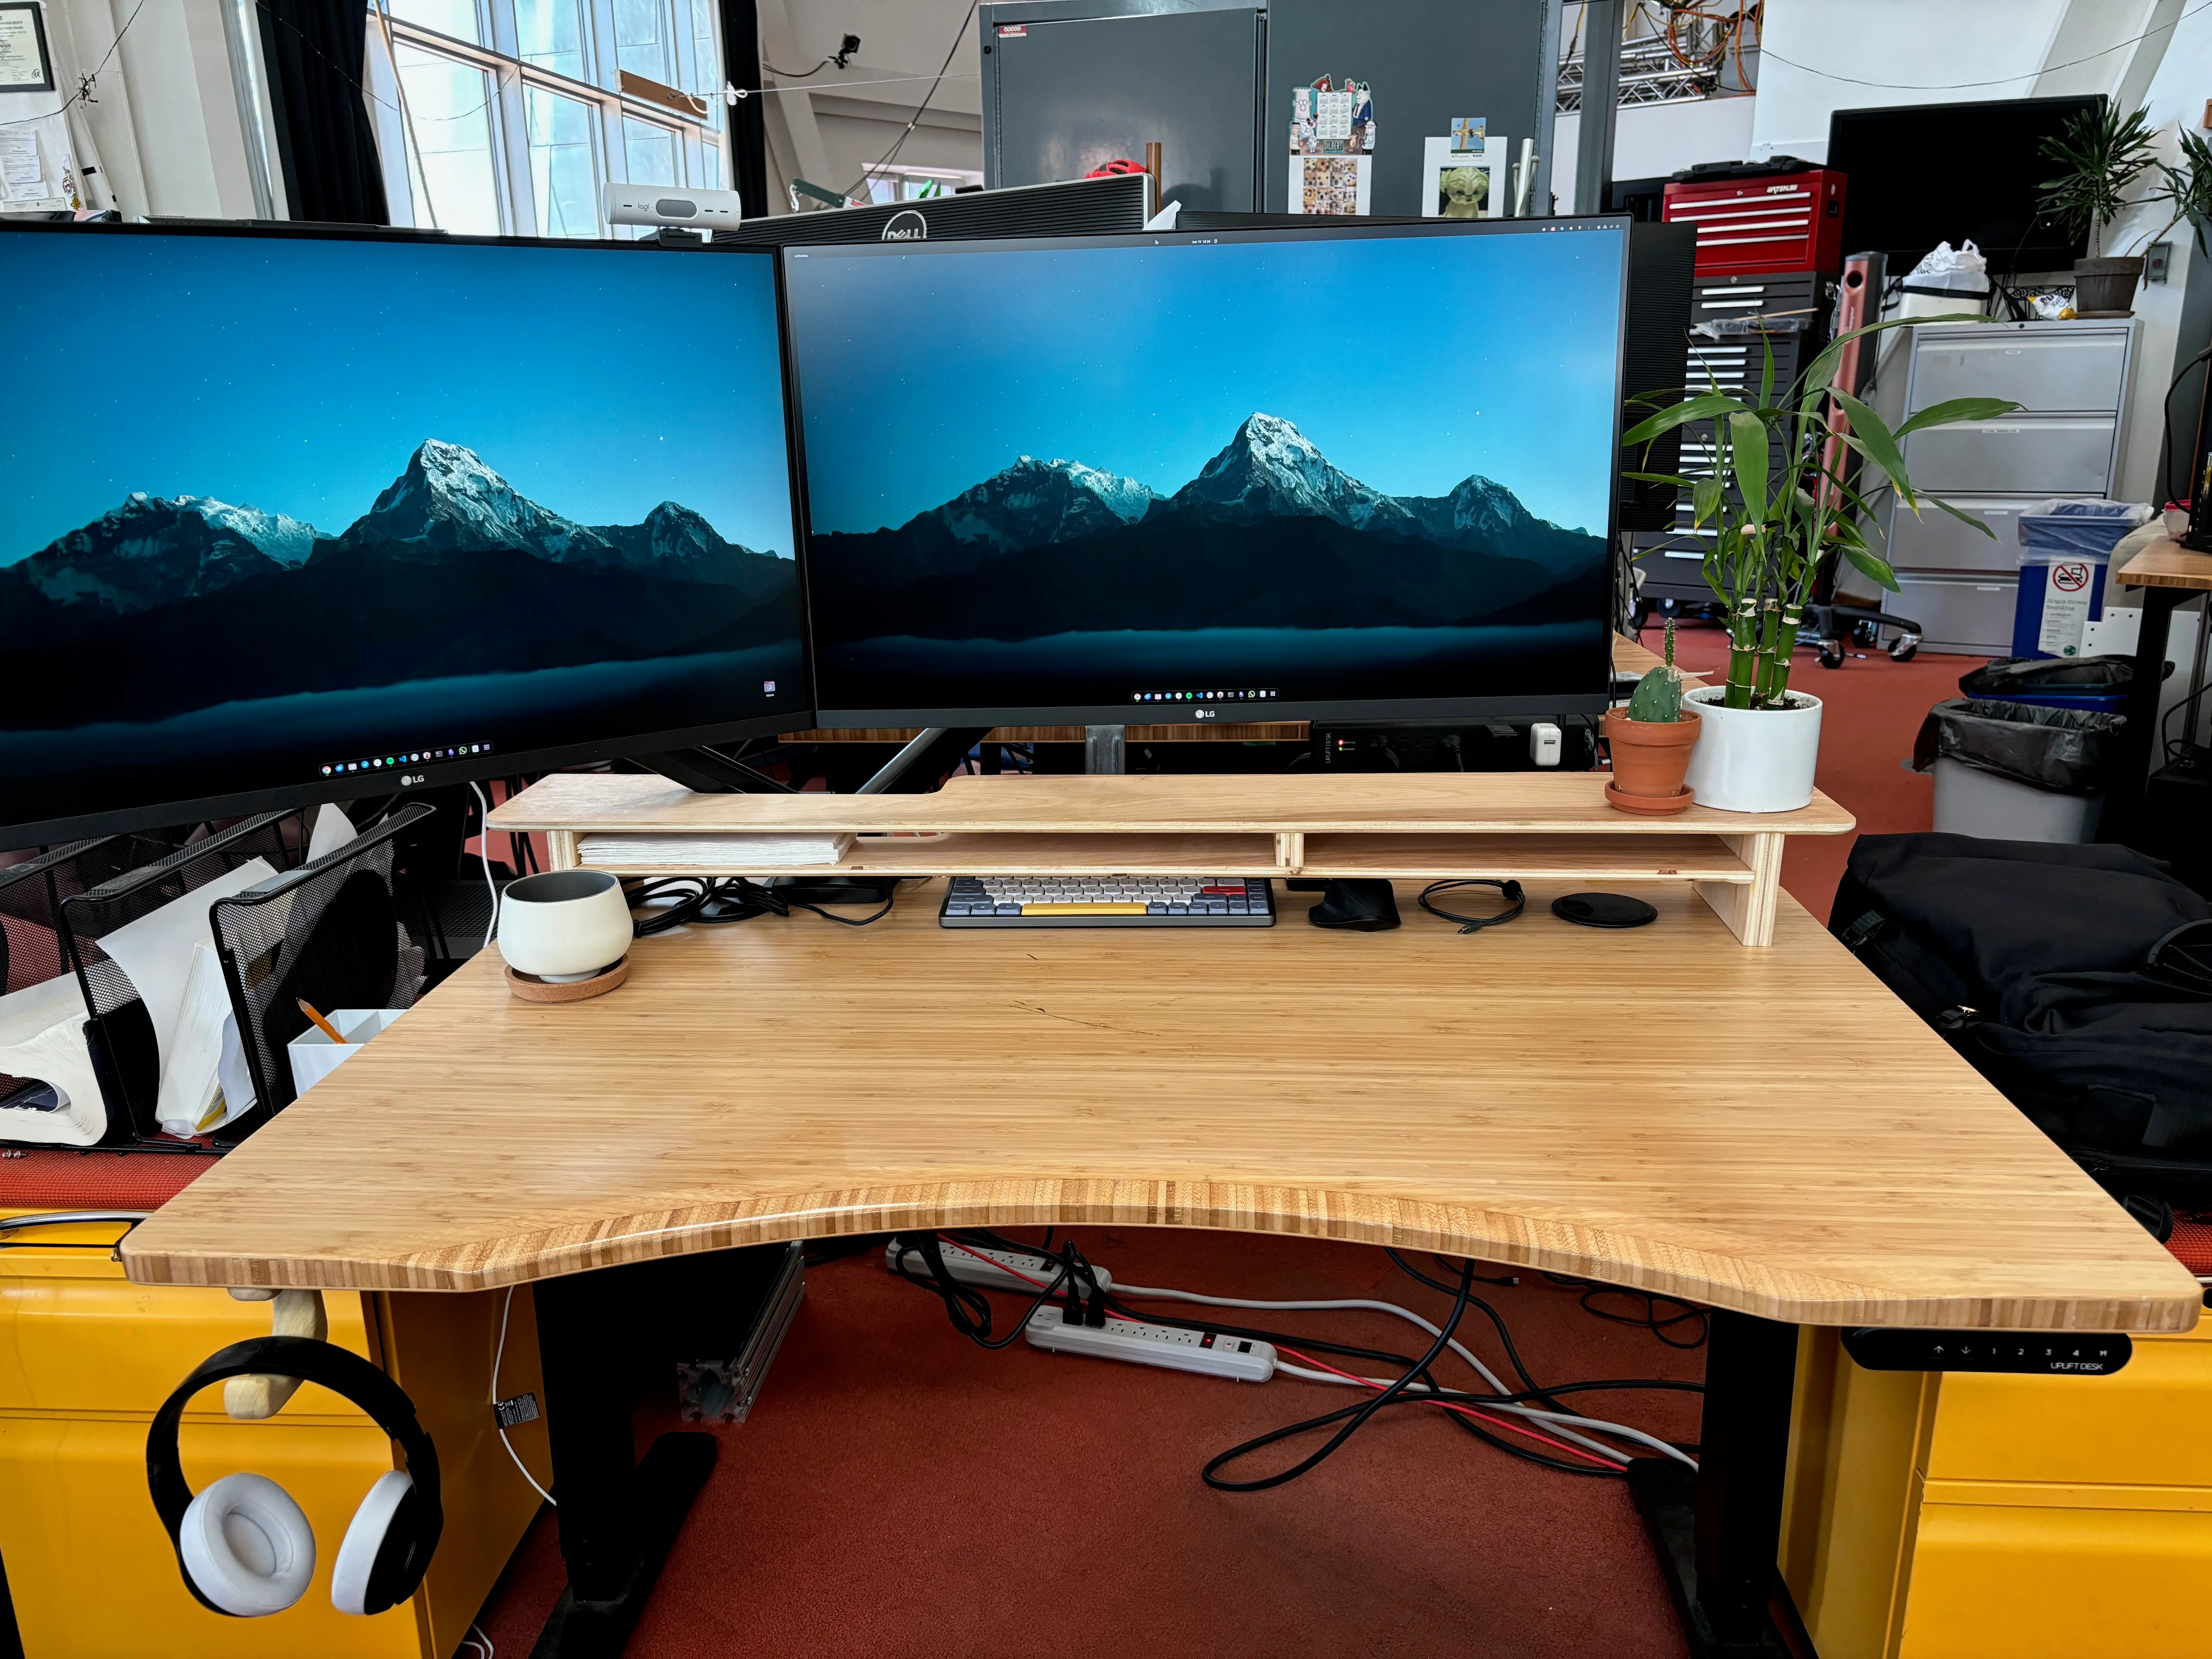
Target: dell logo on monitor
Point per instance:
(906, 226)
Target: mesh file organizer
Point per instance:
(33, 948)
(125, 1051)
(328, 934)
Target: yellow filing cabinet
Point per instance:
(1963, 1516)
(86, 1359)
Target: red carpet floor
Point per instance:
(898, 1491)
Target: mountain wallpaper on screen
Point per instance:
(1268, 536)
(165, 604)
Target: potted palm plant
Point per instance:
(1759, 739)
(2101, 152)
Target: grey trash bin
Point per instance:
(2016, 771)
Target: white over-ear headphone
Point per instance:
(244, 1546)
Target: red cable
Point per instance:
(1464, 1411)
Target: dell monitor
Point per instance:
(1295, 474)
(294, 517)
(1926, 173)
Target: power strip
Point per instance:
(1245, 1358)
(989, 1270)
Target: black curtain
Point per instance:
(317, 52)
(741, 67)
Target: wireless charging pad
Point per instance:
(1603, 910)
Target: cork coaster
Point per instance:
(530, 988)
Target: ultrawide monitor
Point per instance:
(1340, 473)
(295, 517)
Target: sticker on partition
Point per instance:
(2066, 594)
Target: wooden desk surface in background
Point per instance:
(1657, 1108)
(2168, 564)
(1628, 657)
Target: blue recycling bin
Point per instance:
(2066, 551)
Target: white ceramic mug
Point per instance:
(564, 926)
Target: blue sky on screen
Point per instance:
(298, 377)
(1410, 361)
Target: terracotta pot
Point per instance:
(1649, 759)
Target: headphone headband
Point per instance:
(339, 1369)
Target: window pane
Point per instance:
(562, 180)
(549, 33)
(710, 167)
(641, 43)
(648, 154)
(448, 114)
(455, 17)
(704, 72)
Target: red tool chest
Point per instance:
(1781, 222)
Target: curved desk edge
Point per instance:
(1611, 1256)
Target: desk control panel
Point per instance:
(2034, 1353)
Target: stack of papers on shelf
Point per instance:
(711, 852)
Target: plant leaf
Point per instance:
(1872, 566)
(1875, 441)
(1705, 499)
(1748, 438)
(1956, 409)
(1703, 407)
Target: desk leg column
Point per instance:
(619, 1516)
(2140, 754)
(1718, 1531)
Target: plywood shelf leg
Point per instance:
(1748, 909)
(561, 849)
(1289, 851)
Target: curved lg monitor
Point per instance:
(294, 517)
(1328, 473)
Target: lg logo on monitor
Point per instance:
(907, 226)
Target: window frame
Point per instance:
(600, 90)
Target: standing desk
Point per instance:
(1660, 1108)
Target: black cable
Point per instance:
(965, 1305)
(707, 900)
(1651, 1319)
(1516, 901)
(915, 120)
(2168, 493)
(1357, 1415)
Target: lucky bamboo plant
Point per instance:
(1770, 534)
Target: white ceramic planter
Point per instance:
(563, 926)
(1754, 760)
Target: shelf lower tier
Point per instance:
(1700, 858)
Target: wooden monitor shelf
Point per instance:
(1423, 827)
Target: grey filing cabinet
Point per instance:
(2071, 380)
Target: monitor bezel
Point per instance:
(429, 774)
(1399, 710)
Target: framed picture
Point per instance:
(1330, 184)
(26, 64)
(1465, 184)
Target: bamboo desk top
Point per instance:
(1658, 1108)
(2168, 564)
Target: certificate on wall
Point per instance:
(26, 65)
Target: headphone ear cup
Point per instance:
(380, 1563)
(247, 1546)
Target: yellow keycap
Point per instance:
(1085, 909)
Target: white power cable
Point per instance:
(499, 1353)
(1563, 1422)
(483, 849)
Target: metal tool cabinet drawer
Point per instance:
(1935, 541)
(2025, 455)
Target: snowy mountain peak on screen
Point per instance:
(1035, 502)
(447, 501)
(153, 550)
(1270, 469)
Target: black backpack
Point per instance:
(2077, 980)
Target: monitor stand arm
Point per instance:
(921, 765)
(710, 772)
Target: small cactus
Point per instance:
(1658, 694)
